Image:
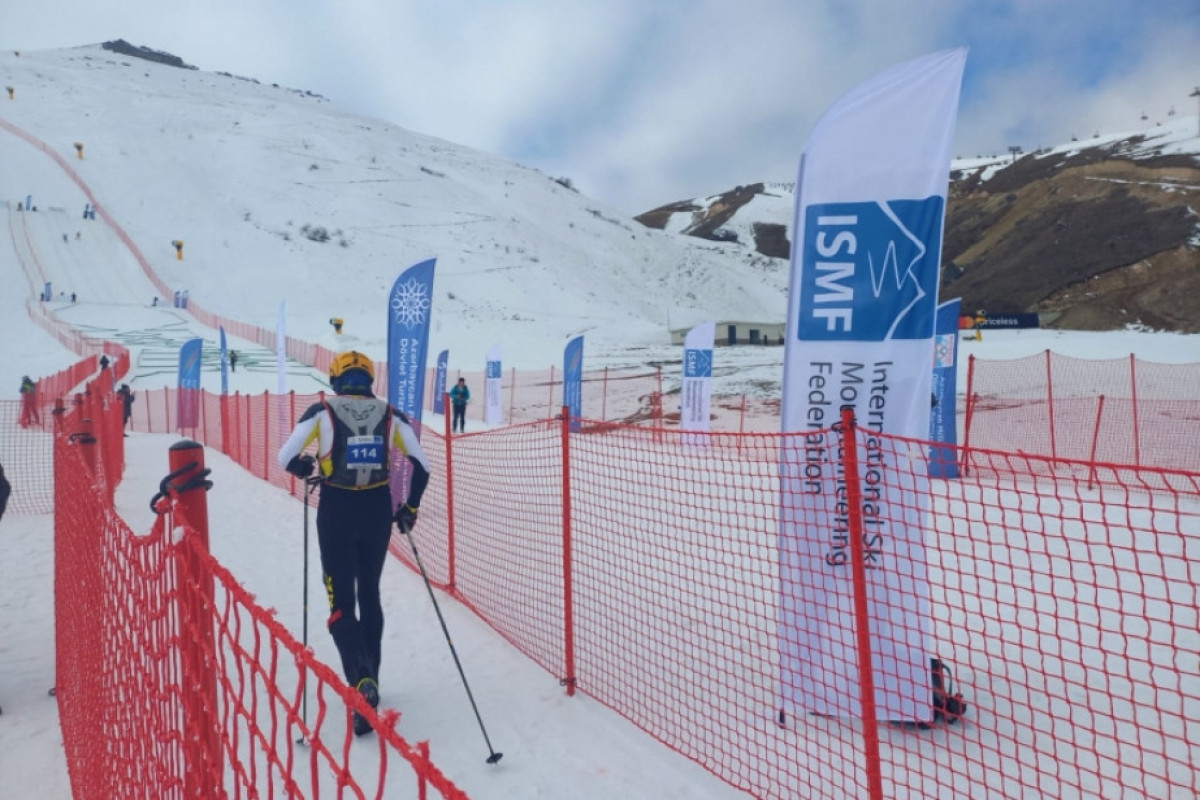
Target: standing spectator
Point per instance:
(5, 491)
(126, 397)
(233, 361)
(356, 434)
(29, 409)
(460, 395)
(104, 362)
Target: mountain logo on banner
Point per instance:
(870, 270)
(943, 350)
(410, 303)
(697, 363)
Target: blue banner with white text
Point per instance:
(439, 383)
(943, 423)
(187, 404)
(224, 363)
(695, 391)
(409, 311)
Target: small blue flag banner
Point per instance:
(943, 414)
(439, 382)
(187, 403)
(695, 396)
(493, 404)
(573, 381)
(224, 363)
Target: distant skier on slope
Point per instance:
(29, 408)
(126, 396)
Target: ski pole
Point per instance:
(493, 756)
(310, 485)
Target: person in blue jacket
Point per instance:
(355, 435)
(460, 395)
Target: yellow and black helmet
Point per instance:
(351, 368)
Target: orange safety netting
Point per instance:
(643, 569)
(171, 681)
(1120, 410)
(1065, 612)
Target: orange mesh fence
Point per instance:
(503, 549)
(26, 446)
(1121, 410)
(171, 681)
(1060, 595)
(26, 453)
(643, 567)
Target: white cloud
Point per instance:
(645, 103)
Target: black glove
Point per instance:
(302, 466)
(406, 518)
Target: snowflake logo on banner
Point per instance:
(410, 303)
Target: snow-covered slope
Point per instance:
(345, 203)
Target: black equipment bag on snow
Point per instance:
(948, 705)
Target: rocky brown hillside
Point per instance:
(1104, 235)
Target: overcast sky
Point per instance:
(644, 102)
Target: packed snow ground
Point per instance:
(554, 746)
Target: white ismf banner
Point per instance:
(695, 395)
(867, 237)
(492, 409)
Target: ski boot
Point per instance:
(369, 689)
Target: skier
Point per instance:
(29, 409)
(460, 395)
(355, 434)
(126, 396)
(232, 361)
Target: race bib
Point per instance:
(364, 452)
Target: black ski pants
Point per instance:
(353, 531)
(458, 422)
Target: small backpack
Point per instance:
(948, 705)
